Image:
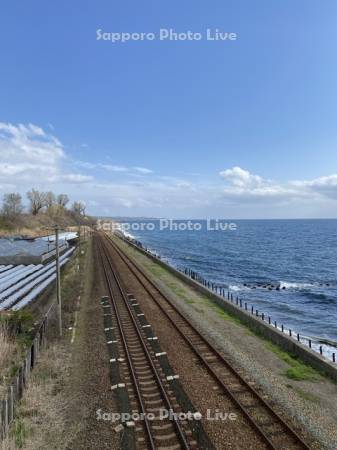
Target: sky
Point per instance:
(241, 128)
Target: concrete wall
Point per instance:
(256, 324)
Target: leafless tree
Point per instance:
(62, 200)
(37, 200)
(50, 199)
(12, 205)
(79, 208)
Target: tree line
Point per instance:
(39, 201)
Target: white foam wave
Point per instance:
(236, 288)
(128, 235)
(290, 285)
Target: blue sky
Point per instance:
(170, 128)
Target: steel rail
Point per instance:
(180, 433)
(133, 267)
(128, 356)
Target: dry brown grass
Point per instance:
(42, 413)
(34, 226)
(8, 444)
(7, 353)
(7, 346)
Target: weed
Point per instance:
(308, 396)
(20, 433)
(297, 371)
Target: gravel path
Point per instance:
(90, 384)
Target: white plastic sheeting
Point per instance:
(7, 290)
(5, 267)
(22, 283)
(10, 271)
(15, 274)
(67, 236)
(37, 290)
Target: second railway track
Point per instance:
(268, 424)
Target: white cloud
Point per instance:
(28, 144)
(28, 154)
(75, 178)
(245, 187)
(33, 157)
(246, 190)
(143, 170)
(85, 164)
(242, 178)
(326, 186)
(111, 168)
(124, 169)
(114, 168)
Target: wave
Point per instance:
(129, 235)
(237, 288)
(119, 227)
(282, 285)
(319, 298)
(291, 285)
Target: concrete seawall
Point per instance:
(256, 324)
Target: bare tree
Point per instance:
(79, 208)
(62, 200)
(37, 200)
(12, 205)
(49, 199)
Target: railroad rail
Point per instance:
(148, 387)
(270, 426)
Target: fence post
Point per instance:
(20, 380)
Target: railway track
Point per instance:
(267, 423)
(146, 384)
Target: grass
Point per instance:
(221, 312)
(20, 433)
(304, 394)
(19, 324)
(40, 419)
(7, 346)
(7, 354)
(297, 371)
(178, 290)
(308, 396)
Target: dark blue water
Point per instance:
(300, 255)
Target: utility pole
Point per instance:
(58, 278)
(79, 237)
(56, 229)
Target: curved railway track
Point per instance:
(148, 387)
(270, 426)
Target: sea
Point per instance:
(286, 269)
